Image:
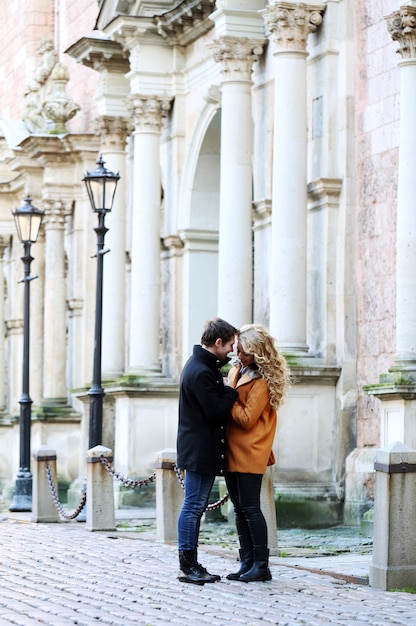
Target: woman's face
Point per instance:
(245, 359)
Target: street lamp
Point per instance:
(101, 186)
(28, 220)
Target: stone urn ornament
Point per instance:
(58, 106)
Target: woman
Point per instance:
(261, 379)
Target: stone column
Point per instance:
(235, 263)
(290, 25)
(402, 28)
(113, 133)
(148, 113)
(54, 339)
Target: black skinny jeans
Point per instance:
(244, 490)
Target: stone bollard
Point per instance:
(394, 547)
(43, 506)
(268, 507)
(100, 491)
(169, 496)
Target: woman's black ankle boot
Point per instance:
(246, 562)
(260, 570)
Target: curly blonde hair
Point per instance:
(255, 340)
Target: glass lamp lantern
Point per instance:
(101, 186)
(28, 220)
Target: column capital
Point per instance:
(113, 131)
(402, 28)
(237, 56)
(148, 111)
(290, 24)
(4, 244)
(56, 212)
(14, 326)
(262, 213)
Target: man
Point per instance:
(204, 404)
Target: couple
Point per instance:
(227, 427)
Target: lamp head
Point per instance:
(101, 186)
(28, 220)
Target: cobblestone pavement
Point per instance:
(60, 574)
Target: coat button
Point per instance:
(222, 456)
(222, 440)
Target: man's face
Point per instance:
(221, 349)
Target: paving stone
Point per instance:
(58, 574)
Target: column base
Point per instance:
(22, 499)
(392, 578)
(398, 405)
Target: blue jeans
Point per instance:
(197, 489)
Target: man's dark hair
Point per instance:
(217, 329)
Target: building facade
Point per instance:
(265, 154)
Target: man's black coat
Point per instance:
(204, 405)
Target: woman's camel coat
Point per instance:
(252, 425)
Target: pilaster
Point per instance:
(262, 222)
(4, 244)
(54, 341)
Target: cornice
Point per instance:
(186, 21)
(100, 52)
(180, 25)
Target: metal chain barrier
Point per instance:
(58, 505)
(210, 507)
(125, 480)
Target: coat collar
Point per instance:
(248, 376)
(208, 357)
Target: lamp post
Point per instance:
(28, 220)
(101, 186)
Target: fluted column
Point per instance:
(289, 25)
(113, 133)
(402, 28)
(235, 275)
(54, 373)
(148, 113)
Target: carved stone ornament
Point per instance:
(59, 107)
(236, 55)
(36, 87)
(290, 24)
(402, 28)
(148, 111)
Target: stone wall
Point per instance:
(377, 137)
